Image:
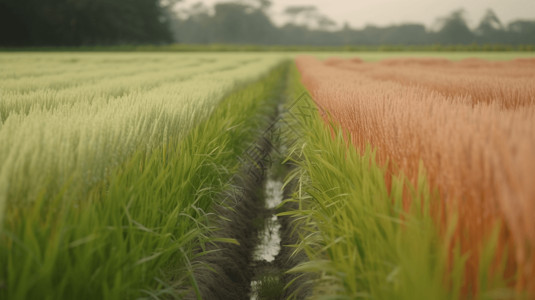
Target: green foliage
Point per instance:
(454, 29)
(74, 118)
(30, 23)
(363, 239)
(82, 22)
(237, 23)
(132, 234)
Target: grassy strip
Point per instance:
(134, 234)
(361, 240)
(277, 48)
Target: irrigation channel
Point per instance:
(257, 267)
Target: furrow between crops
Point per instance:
(252, 213)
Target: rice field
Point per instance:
(108, 168)
(94, 111)
(150, 175)
(468, 124)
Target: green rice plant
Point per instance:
(133, 231)
(365, 238)
(50, 136)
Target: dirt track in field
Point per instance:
(256, 268)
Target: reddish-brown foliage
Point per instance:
(471, 123)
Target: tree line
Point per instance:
(247, 23)
(130, 22)
(83, 22)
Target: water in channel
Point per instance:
(269, 237)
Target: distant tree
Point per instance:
(82, 22)
(309, 16)
(490, 29)
(325, 23)
(197, 9)
(108, 22)
(301, 14)
(293, 34)
(247, 21)
(294, 11)
(454, 29)
(404, 34)
(489, 22)
(522, 32)
(346, 34)
(169, 4)
(264, 4)
(193, 24)
(241, 23)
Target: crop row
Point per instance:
(476, 154)
(108, 198)
(410, 177)
(77, 133)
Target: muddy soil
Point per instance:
(256, 268)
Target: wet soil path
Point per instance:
(256, 267)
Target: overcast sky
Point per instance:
(384, 12)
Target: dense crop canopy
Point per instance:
(111, 164)
(471, 123)
(74, 117)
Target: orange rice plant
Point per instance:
(458, 119)
(509, 84)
